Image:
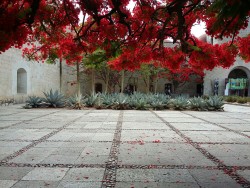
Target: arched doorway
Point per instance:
(238, 82)
(21, 81)
(237, 73)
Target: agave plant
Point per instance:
(76, 101)
(141, 104)
(91, 100)
(215, 103)
(133, 99)
(107, 100)
(150, 98)
(54, 99)
(34, 102)
(132, 102)
(121, 102)
(158, 104)
(198, 103)
(99, 102)
(161, 101)
(180, 103)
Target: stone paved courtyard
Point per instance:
(134, 149)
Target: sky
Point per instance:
(198, 29)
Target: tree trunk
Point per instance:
(107, 81)
(78, 80)
(122, 81)
(93, 81)
(60, 67)
(148, 84)
(156, 83)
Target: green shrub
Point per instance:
(231, 98)
(241, 100)
(248, 99)
(54, 99)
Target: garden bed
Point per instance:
(119, 101)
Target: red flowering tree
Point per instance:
(141, 32)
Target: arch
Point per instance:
(22, 81)
(240, 72)
(98, 88)
(237, 73)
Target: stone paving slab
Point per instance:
(79, 184)
(7, 183)
(10, 173)
(145, 125)
(147, 184)
(46, 174)
(36, 184)
(197, 127)
(106, 148)
(238, 127)
(215, 136)
(150, 135)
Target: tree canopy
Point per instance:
(53, 29)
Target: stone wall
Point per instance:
(40, 76)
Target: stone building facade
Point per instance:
(240, 69)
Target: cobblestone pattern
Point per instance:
(109, 178)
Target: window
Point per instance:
(21, 81)
(98, 88)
